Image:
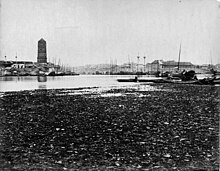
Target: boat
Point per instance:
(178, 73)
(151, 80)
(214, 72)
(209, 81)
(181, 82)
(205, 81)
(141, 79)
(128, 79)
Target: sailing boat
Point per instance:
(178, 73)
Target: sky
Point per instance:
(80, 32)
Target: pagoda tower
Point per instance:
(42, 51)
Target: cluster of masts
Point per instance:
(60, 64)
(131, 65)
(138, 61)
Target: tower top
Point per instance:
(41, 40)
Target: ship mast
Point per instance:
(179, 58)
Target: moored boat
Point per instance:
(152, 80)
(128, 79)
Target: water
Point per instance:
(16, 83)
(58, 82)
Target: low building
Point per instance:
(173, 65)
(4, 64)
(22, 64)
(170, 66)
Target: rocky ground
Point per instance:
(168, 127)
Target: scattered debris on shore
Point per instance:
(173, 128)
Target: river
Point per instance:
(18, 83)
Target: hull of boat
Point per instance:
(150, 80)
(195, 82)
(127, 80)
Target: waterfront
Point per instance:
(63, 106)
(17, 83)
(93, 121)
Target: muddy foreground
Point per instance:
(171, 127)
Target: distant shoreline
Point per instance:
(39, 75)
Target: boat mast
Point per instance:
(211, 57)
(138, 57)
(179, 57)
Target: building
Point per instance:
(42, 51)
(173, 65)
(16, 64)
(5, 64)
(157, 65)
(22, 64)
(170, 66)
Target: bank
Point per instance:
(171, 127)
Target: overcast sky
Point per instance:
(82, 32)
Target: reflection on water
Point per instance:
(41, 78)
(18, 78)
(7, 79)
(42, 86)
(42, 82)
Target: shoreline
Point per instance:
(167, 127)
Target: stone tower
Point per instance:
(42, 51)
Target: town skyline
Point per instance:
(96, 32)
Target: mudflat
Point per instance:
(168, 127)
